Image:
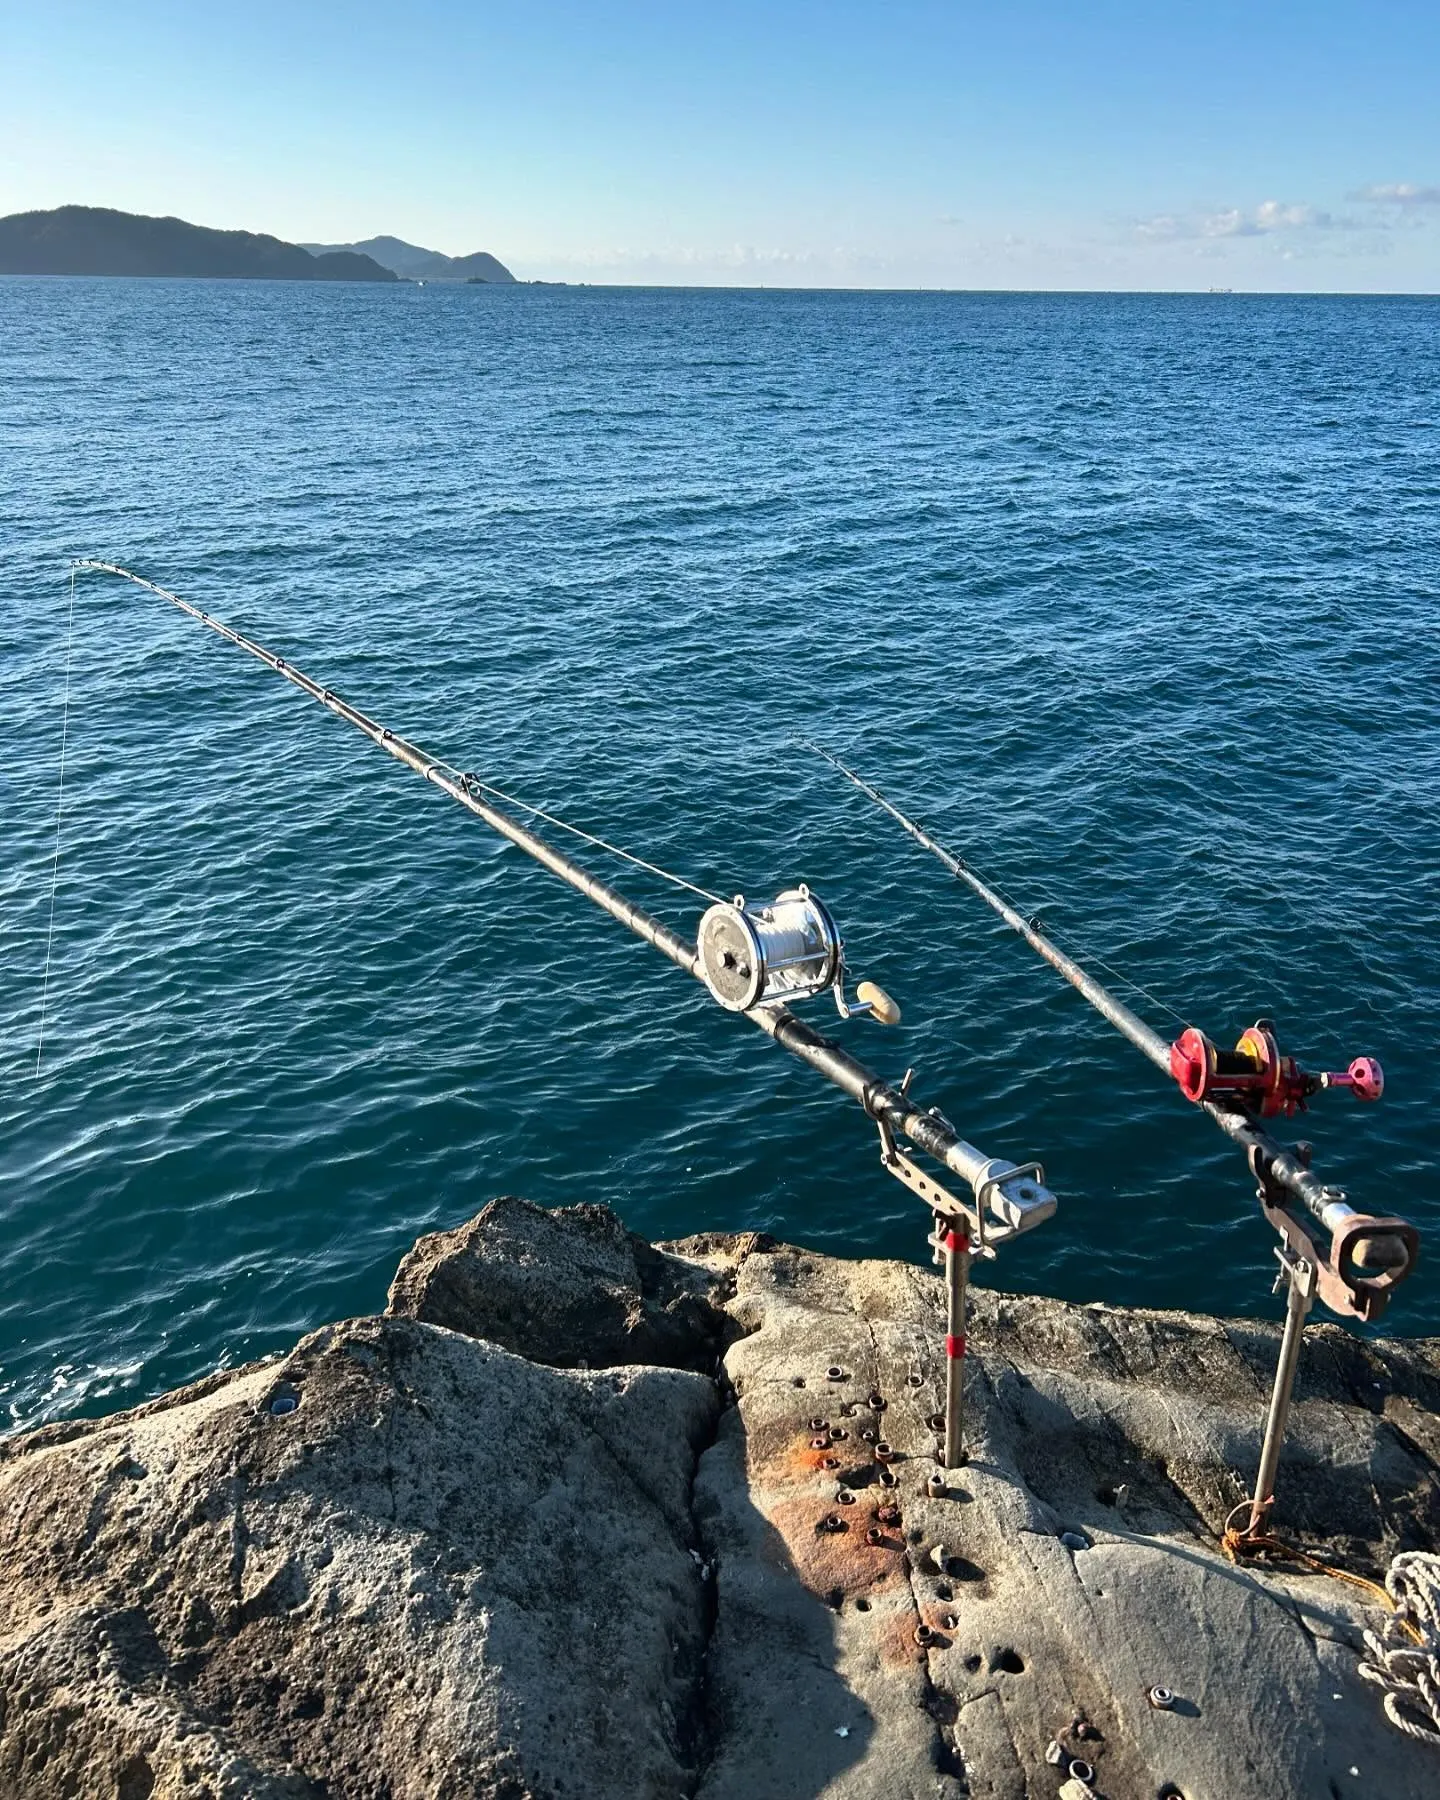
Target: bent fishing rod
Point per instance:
(1367, 1256)
(755, 959)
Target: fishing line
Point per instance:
(59, 810)
(965, 862)
(1088, 955)
(539, 812)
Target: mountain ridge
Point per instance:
(100, 240)
(414, 263)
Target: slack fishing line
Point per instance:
(757, 960)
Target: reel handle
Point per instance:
(877, 1002)
(1364, 1078)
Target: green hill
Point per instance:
(94, 240)
(417, 264)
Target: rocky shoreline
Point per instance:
(580, 1517)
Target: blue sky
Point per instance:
(1032, 144)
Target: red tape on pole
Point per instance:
(955, 1346)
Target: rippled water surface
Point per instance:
(1133, 599)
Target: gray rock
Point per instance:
(447, 1572)
(451, 1571)
(1027, 1638)
(566, 1287)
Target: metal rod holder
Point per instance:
(1299, 1277)
(957, 1274)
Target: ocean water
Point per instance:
(1132, 599)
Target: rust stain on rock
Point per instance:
(895, 1643)
(828, 1562)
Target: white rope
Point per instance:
(59, 809)
(1409, 1671)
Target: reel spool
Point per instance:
(1259, 1076)
(770, 955)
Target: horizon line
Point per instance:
(734, 287)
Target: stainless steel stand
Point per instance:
(957, 1275)
(1299, 1276)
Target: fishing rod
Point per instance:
(1366, 1257)
(756, 960)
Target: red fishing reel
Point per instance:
(1257, 1076)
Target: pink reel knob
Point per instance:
(1366, 1078)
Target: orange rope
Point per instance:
(1239, 1545)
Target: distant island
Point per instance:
(94, 240)
(415, 264)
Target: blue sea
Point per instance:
(1133, 600)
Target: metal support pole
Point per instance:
(1299, 1276)
(957, 1272)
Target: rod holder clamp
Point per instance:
(1008, 1199)
(1365, 1261)
(945, 1205)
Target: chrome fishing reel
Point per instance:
(787, 950)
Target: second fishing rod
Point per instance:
(1237, 1089)
(1354, 1271)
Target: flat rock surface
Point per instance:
(434, 1555)
(1071, 1565)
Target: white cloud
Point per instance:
(1398, 193)
(1269, 217)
